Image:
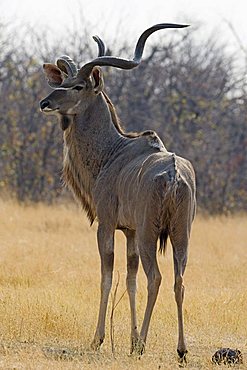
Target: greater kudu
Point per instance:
(128, 182)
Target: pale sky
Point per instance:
(130, 17)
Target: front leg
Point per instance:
(105, 237)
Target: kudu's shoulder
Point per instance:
(152, 139)
(147, 142)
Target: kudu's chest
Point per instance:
(78, 180)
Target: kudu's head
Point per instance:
(72, 91)
(76, 89)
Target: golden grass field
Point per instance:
(50, 275)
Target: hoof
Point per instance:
(137, 346)
(182, 357)
(96, 343)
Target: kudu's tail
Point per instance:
(170, 201)
(163, 240)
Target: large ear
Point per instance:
(53, 74)
(97, 79)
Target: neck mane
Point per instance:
(116, 121)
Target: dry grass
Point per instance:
(50, 273)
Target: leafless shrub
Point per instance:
(191, 95)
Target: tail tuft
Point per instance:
(163, 240)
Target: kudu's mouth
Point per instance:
(49, 110)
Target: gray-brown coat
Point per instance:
(126, 181)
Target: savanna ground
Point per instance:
(50, 275)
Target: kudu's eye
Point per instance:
(78, 88)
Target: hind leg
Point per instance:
(147, 248)
(132, 268)
(179, 242)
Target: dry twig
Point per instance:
(113, 307)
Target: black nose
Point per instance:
(44, 104)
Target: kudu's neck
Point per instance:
(94, 136)
(89, 142)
